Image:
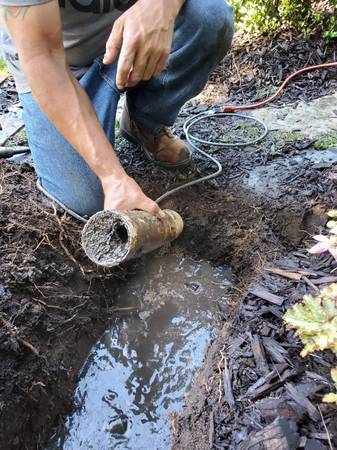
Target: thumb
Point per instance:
(152, 207)
(113, 45)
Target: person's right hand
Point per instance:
(122, 193)
(142, 37)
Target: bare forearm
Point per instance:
(37, 34)
(68, 107)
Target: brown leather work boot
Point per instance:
(163, 148)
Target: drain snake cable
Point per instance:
(230, 110)
(194, 141)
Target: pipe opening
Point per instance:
(122, 233)
(105, 238)
(109, 238)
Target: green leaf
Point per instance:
(330, 398)
(331, 224)
(315, 320)
(334, 375)
(332, 214)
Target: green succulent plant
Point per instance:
(315, 322)
(332, 398)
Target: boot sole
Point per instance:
(126, 135)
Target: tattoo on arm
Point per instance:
(15, 11)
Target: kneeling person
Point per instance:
(71, 60)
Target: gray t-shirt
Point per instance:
(86, 25)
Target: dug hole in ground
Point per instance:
(186, 348)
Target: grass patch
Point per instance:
(19, 138)
(326, 141)
(277, 141)
(3, 68)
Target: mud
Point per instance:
(136, 377)
(60, 303)
(273, 180)
(53, 306)
(105, 240)
(53, 298)
(8, 95)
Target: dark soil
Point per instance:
(233, 405)
(54, 304)
(215, 419)
(256, 66)
(8, 95)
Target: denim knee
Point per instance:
(80, 207)
(213, 20)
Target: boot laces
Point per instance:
(165, 131)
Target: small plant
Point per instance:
(327, 243)
(327, 141)
(332, 398)
(315, 322)
(3, 68)
(306, 16)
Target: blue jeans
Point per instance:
(202, 36)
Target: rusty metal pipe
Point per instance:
(110, 238)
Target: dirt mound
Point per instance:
(50, 299)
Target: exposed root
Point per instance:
(13, 332)
(62, 244)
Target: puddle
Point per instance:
(272, 179)
(138, 373)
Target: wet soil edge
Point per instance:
(54, 304)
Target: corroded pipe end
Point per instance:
(109, 238)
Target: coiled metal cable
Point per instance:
(195, 142)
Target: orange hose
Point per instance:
(233, 108)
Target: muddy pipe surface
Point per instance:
(110, 238)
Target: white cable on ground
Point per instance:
(190, 138)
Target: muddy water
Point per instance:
(138, 373)
(272, 179)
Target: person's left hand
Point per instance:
(142, 37)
